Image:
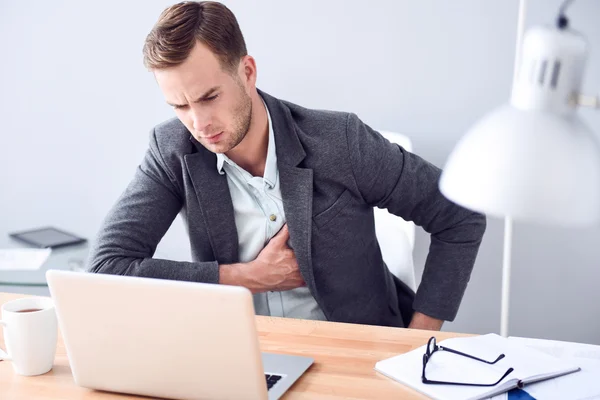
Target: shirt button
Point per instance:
(273, 217)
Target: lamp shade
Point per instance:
(528, 165)
(534, 159)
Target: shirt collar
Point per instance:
(270, 175)
(220, 161)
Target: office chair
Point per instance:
(396, 236)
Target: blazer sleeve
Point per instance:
(387, 176)
(137, 222)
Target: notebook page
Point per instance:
(584, 385)
(527, 362)
(444, 366)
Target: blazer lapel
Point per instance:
(296, 185)
(215, 202)
(296, 189)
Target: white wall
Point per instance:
(76, 106)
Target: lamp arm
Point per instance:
(562, 22)
(506, 266)
(586, 100)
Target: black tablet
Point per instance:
(47, 237)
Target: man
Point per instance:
(276, 197)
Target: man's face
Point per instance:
(213, 104)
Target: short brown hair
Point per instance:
(172, 38)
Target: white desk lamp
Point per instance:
(534, 159)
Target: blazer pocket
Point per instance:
(324, 217)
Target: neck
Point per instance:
(251, 152)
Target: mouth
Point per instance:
(214, 138)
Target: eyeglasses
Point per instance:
(432, 347)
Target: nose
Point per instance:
(201, 121)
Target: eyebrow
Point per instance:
(205, 96)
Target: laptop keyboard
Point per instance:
(272, 380)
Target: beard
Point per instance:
(242, 119)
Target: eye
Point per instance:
(211, 98)
(179, 107)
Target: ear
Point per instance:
(247, 71)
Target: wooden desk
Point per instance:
(344, 354)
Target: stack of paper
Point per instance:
(23, 259)
(529, 365)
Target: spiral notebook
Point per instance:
(529, 365)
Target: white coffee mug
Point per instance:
(30, 334)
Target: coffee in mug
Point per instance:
(30, 334)
(30, 310)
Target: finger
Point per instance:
(290, 254)
(283, 235)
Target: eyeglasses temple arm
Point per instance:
(500, 357)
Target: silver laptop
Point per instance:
(168, 339)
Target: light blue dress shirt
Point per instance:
(259, 215)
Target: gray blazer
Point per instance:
(333, 170)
